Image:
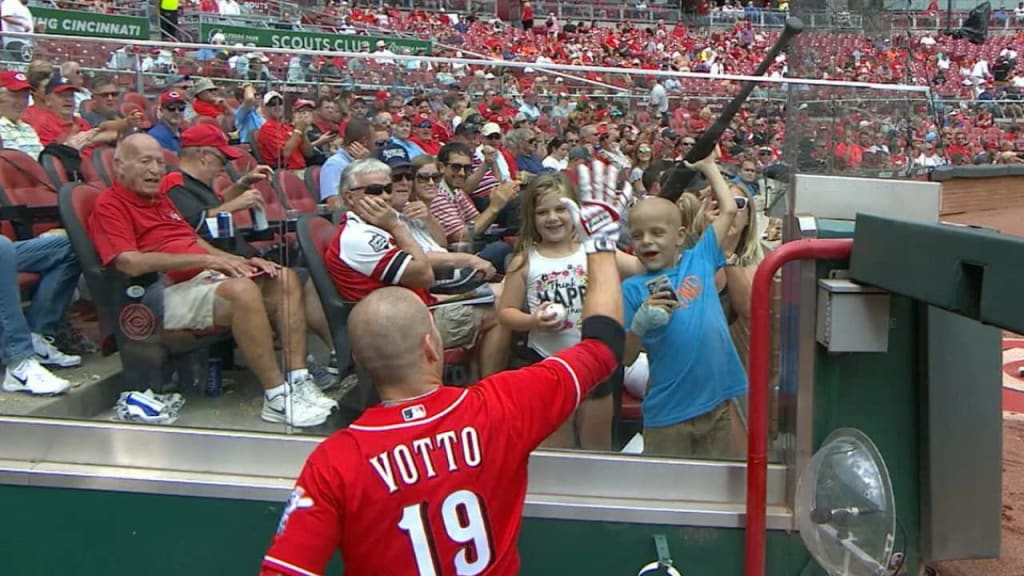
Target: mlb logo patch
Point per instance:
(414, 413)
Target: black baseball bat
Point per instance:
(680, 175)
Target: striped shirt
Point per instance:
(453, 209)
(20, 136)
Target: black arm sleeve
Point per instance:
(192, 209)
(608, 331)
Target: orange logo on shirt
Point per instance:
(689, 290)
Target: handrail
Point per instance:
(758, 370)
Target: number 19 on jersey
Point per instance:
(465, 523)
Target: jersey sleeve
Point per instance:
(373, 253)
(536, 400)
(310, 528)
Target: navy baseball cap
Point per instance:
(394, 156)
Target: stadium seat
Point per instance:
(315, 235)
(149, 355)
(291, 190)
(630, 410)
(311, 176)
(23, 182)
(58, 174)
(103, 162)
(238, 168)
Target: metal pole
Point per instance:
(758, 370)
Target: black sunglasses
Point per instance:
(375, 189)
(460, 167)
(275, 102)
(175, 108)
(688, 143)
(399, 176)
(494, 137)
(425, 177)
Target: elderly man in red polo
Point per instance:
(138, 231)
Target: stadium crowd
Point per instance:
(445, 178)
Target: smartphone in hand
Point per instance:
(661, 284)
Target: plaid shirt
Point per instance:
(20, 136)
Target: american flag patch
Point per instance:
(414, 413)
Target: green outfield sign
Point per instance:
(301, 40)
(77, 23)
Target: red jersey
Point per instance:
(434, 485)
(363, 257)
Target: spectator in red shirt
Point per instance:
(55, 122)
(423, 135)
(138, 231)
(206, 99)
(283, 145)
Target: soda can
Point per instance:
(224, 225)
(259, 219)
(214, 379)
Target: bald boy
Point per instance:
(673, 312)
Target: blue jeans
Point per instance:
(50, 256)
(495, 253)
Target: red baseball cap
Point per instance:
(14, 81)
(171, 96)
(205, 135)
(422, 120)
(300, 104)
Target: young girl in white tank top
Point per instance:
(548, 274)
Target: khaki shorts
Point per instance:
(188, 305)
(459, 325)
(710, 435)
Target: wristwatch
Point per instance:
(731, 260)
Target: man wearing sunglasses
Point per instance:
(423, 135)
(283, 145)
(167, 130)
(106, 108)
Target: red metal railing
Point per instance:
(760, 363)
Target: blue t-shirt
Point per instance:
(694, 365)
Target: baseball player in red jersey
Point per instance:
(432, 481)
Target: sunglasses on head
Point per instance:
(460, 167)
(434, 177)
(175, 107)
(375, 189)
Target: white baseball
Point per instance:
(555, 312)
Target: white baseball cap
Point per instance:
(490, 128)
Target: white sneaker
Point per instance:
(48, 354)
(293, 409)
(307, 388)
(29, 376)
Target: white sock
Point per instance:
(276, 391)
(296, 375)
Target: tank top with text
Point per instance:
(563, 281)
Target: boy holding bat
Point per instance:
(673, 312)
